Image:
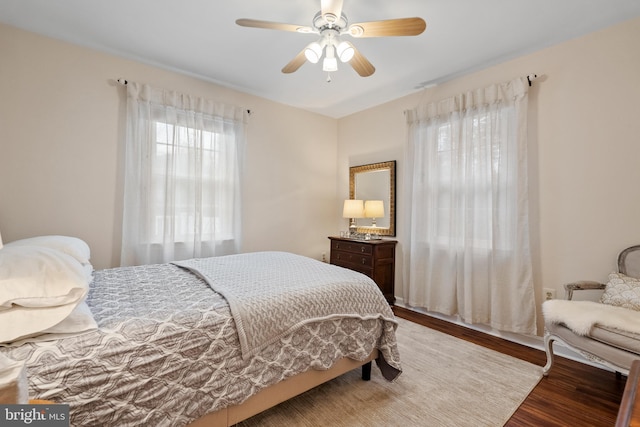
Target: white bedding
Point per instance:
(40, 287)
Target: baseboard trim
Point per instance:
(531, 341)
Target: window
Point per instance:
(182, 177)
(467, 245)
(465, 183)
(200, 207)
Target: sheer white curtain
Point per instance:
(468, 236)
(182, 177)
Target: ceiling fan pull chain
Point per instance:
(328, 77)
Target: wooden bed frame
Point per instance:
(285, 390)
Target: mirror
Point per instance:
(376, 181)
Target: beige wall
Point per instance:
(61, 120)
(584, 150)
(61, 117)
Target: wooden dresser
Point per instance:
(375, 258)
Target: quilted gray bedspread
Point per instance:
(167, 352)
(273, 293)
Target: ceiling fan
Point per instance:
(331, 24)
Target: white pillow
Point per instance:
(20, 322)
(79, 320)
(31, 321)
(42, 292)
(32, 276)
(73, 246)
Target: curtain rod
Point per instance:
(124, 82)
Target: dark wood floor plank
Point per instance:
(574, 394)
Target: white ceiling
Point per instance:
(200, 38)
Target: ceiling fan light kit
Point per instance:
(330, 23)
(329, 64)
(313, 52)
(345, 51)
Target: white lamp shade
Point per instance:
(345, 51)
(330, 64)
(313, 52)
(353, 209)
(374, 209)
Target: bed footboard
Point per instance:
(282, 391)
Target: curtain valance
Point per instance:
(169, 98)
(506, 93)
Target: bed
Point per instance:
(208, 341)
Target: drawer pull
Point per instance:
(364, 261)
(362, 249)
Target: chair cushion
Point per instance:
(622, 291)
(622, 339)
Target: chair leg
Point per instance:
(548, 348)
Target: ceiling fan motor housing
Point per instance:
(329, 21)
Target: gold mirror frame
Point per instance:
(359, 172)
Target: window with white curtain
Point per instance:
(472, 197)
(182, 178)
(467, 244)
(216, 188)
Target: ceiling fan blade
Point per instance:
(361, 64)
(254, 23)
(331, 8)
(389, 27)
(295, 63)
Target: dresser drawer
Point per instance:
(351, 260)
(373, 258)
(364, 269)
(352, 247)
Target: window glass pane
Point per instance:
(190, 173)
(464, 184)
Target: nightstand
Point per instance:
(374, 258)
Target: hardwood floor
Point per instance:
(574, 394)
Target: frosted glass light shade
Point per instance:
(313, 52)
(345, 51)
(330, 64)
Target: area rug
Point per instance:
(445, 382)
